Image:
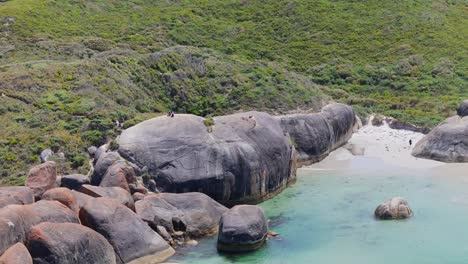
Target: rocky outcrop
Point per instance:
(16, 254)
(316, 135)
(64, 196)
(395, 208)
(195, 214)
(242, 228)
(74, 181)
(66, 243)
(42, 178)
(448, 142)
(462, 109)
(116, 193)
(15, 195)
(133, 240)
(103, 161)
(119, 174)
(234, 159)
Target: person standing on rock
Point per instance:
(410, 142)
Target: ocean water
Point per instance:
(327, 217)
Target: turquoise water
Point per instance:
(327, 217)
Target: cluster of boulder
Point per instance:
(448, 142)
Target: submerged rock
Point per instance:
(16, 254)
(244, 157)
(15, 195)
(395, 208)
(195, 214)
(448, 142)
(133, 240)
(316, 135)
(242, 228)
(42, 178)
(66, 243)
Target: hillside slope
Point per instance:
(69, 68)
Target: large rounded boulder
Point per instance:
(462, 109)
(195, 214)
(316, 135)
(393, 209)
(116, 193)
(74, 181)
(132, 239)
(238, 158)
(16, 254)
(16, 195)
(448, 142)
(42, 178)
(242, 228)
(67, 243)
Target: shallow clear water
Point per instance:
(327, 217)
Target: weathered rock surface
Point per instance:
(448, 142)
(244, 157)
(195, 214)
(316, 135)
(395, 208)
(16, 220)
(67, 243)
(133, 240)
(15, 195)
(42, 178)
(119, 174)
(16, 254)
(116, 193)
(63, 195)
(74, 181)
(242, 228)
(462, 109)
(103, 162)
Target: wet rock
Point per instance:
(74, 181)
(119, 174)
(316, 135)
(116, 193)
(42, 178)
(448, 142)
(15, 195)
(195, 214)
(462, 109)
(67, 243)
(133, 240)
(45, 155)
(395, 208)
(242, 228)
(63, 195)
(16, 254)
(242, 157)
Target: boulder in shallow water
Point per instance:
(316, 135)
(16, 195)
(133, 240)
(448, 142)
(74, 181)
(67, 243)
(16, 254)
(242, 228)
(462, 109)
(195, 214)
(42, 178)
(244, 157)
(116, 193)
(395, 208)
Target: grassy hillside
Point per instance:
(69, 68)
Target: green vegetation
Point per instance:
(70, 68)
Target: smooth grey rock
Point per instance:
(92, 151)
(67, 243)
(395, 208)
(462, 109)
(448, 142)
(105, 160)
(244, 157)
(316, 135)
(74, 181)
(15, 195)
(242, 228)
(45, 155)
(195, 214)
(132, 239)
